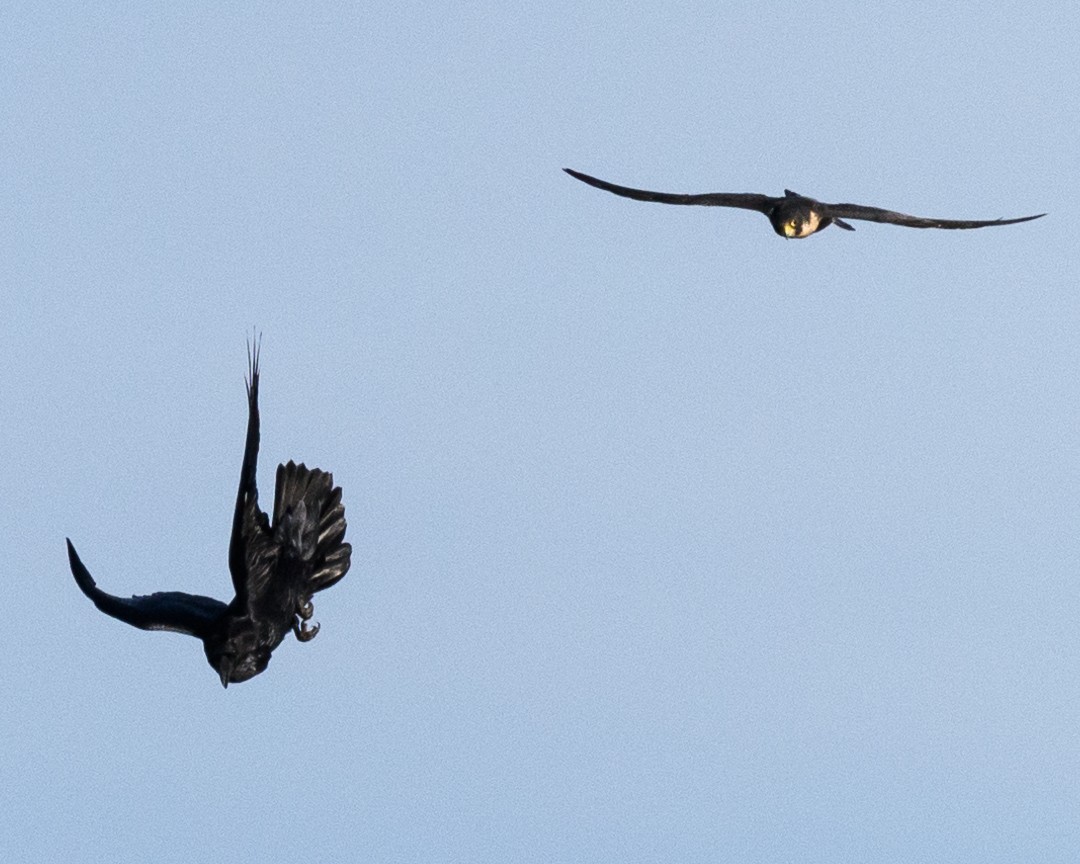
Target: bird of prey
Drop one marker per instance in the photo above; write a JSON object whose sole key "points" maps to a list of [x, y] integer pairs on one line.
{"points": [[795, 215], [276, 566]]}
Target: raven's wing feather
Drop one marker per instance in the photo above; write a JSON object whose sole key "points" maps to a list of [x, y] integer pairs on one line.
{"points": [[302, 551], [252, 552], [877, 214], [309, 524], [742, 200], [192, 614]]}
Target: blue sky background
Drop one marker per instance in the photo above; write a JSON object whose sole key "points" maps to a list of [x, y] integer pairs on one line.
{"points": [[673, 540]]}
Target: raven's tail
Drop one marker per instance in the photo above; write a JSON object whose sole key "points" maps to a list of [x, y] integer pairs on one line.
{"points": [[309, 522]]}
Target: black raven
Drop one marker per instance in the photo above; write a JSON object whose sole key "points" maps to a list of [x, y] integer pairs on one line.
{"points": [[276, 566]]}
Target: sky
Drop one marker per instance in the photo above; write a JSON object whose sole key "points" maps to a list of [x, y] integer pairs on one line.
{"points": [[673, 540]]}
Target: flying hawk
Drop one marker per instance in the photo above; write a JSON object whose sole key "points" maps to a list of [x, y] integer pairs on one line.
{"points": [[795, 215]]}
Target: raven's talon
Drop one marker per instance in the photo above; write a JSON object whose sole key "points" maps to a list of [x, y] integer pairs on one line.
{"points": [[303, 632], [305, 610]]}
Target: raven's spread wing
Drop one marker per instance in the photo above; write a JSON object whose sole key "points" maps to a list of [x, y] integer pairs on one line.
{"points": [[309, 522], [166, 610], [302, 552], [876, 214], [252, 551], [742, 200]]}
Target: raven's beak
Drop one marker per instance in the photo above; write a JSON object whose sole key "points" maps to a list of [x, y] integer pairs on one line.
{"points": [[224, 672]]}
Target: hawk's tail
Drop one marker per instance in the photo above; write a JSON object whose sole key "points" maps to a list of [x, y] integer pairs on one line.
{"points": [[309, 520]]}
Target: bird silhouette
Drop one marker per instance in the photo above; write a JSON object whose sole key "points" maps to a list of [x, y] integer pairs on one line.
{"points": [[794, 216], [276, 565]]}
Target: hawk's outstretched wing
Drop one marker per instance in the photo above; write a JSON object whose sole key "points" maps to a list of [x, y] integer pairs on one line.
{"points": [[891, 217], [742, 200]]}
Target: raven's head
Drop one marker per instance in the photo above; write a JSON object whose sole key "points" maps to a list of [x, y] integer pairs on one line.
{"points": [[236, 668], [237, 656]]}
